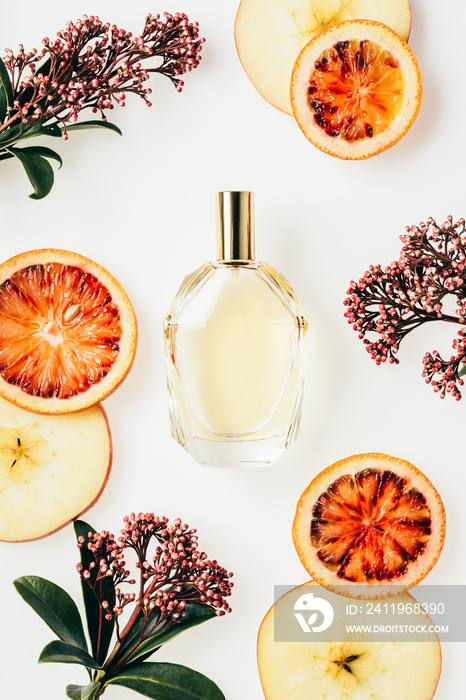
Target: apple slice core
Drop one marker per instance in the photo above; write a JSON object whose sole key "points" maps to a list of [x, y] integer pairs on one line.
{"points": [[52, 468]]}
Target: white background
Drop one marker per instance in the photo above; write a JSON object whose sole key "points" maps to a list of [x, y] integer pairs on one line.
{"points": [[143, 206]]}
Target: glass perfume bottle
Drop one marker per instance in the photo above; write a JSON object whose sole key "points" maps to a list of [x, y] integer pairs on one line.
{"points": [[235, 341]]}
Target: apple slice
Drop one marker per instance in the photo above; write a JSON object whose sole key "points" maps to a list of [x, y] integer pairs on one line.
{"points": [[354, 670], [52, 468], [270, 34]]}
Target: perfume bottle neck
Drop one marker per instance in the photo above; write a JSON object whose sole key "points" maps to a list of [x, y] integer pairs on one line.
{"points": [[235, 226]]}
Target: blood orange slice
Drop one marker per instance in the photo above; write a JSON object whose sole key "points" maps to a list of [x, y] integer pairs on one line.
{"points": [[67, 331], [356, 89], [369, 519]]}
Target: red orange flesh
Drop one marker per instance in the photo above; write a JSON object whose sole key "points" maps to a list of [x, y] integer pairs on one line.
{"points": [[356, 90]]}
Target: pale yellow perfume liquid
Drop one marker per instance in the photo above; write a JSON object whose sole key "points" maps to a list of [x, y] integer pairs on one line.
{"points": [[235, 363]]}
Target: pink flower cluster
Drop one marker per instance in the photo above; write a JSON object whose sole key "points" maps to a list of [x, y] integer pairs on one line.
{"points": [[92, 64], [177, 574], [392, 302], [108, 561]]}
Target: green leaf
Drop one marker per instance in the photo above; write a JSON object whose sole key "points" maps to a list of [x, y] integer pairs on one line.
{"points": [[39, 129], [105, 590], [83, 692], [38, 170], [17, 133], [50, 130], [3, 103], [45, 152], [55, 607], [6, 91], [94, 124], [11, 135], [91, 691], [195, 614], [164, 681], [462, 371], [59, 652]]}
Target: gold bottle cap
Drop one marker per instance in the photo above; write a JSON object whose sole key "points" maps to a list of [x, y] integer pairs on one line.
{"points": [[235, 226]]}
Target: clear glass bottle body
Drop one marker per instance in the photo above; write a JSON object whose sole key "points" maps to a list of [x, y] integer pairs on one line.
{"points": [[235, 342]]}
